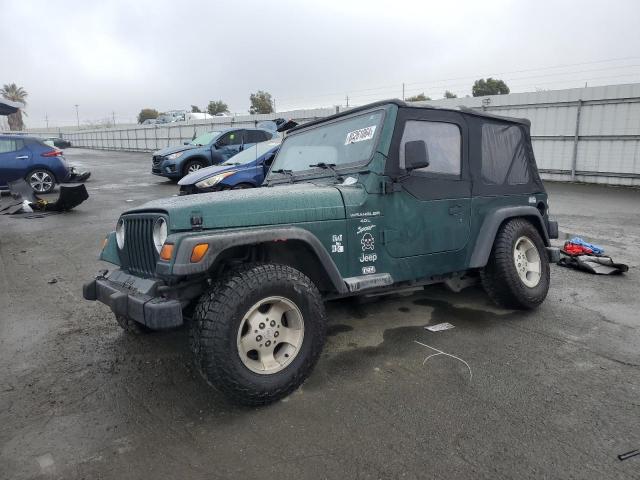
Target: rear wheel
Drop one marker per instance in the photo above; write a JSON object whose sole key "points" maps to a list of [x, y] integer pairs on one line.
{"points": [[517, 273], [41, 180], [258, 332], [192, 166]]}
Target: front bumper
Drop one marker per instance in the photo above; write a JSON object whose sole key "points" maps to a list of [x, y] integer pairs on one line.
{"points": [[165, 168], [135, 298], [552, 228]]}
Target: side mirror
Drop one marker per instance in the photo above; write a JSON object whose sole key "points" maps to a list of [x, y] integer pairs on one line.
{"points": [[416, 155], [268, 161]]}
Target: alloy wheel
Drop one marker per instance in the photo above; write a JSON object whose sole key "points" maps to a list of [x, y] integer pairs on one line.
{"points": [[270, 335], [41, 181], [527, 262]]}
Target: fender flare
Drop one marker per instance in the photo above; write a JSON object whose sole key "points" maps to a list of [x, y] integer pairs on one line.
{"points": [[489, 230], [220, 241]]}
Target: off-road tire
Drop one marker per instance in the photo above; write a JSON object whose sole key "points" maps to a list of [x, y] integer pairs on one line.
{"points": [[219, 315], [189, 164], [500, 278], [131, 326]]}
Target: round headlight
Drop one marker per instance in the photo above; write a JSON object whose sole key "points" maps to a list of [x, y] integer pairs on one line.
{"points": [[159, 233], [120, 233]]}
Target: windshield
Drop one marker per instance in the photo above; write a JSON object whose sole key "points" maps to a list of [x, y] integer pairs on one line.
{"points": [[344, 142], [249, 154], [205, 138]]}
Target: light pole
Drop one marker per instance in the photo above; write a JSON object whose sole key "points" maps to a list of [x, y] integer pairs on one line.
{"points": [[77, 116]]}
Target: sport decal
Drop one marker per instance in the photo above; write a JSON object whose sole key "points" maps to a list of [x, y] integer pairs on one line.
{"points": [[366, 228]]}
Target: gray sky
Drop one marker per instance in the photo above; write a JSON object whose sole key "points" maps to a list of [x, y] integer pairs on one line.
{"points": [[120, 56]]}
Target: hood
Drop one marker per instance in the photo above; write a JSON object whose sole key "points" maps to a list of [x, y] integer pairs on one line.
{"points": [[289, 203], [198, 175], [178, 148]]}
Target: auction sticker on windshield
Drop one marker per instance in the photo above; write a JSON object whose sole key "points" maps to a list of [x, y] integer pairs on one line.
{"points": [[360, 135]]}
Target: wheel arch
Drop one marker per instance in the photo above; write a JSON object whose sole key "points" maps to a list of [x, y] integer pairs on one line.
{"points": [[292, 246], [197, 157], [492, 223]]}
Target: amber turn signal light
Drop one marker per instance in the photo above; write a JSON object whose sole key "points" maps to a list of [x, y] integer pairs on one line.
{"points": [[166, 252], [199, 252], [104, 242]]}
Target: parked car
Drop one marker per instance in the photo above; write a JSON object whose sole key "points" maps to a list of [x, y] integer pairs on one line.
{"points": [[41, 165], [58, 142], [150, 121], [210, 148], [247, 169], [375, 199]]}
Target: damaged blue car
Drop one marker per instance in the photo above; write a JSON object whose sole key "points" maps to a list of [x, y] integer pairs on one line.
{"points": [[247, 169], [208, 149]]}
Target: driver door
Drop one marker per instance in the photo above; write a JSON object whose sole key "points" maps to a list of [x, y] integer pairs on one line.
{"points": [[229, 144], [429, 213]]}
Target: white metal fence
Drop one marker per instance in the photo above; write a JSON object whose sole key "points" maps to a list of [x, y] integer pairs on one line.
{"points": [[154, 137], [585, 134]]}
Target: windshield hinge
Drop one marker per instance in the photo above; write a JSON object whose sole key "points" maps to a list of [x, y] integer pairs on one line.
{"points": [[390, 187]]}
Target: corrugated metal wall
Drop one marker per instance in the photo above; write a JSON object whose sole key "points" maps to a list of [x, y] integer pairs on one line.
{"points": [[584, 134]]}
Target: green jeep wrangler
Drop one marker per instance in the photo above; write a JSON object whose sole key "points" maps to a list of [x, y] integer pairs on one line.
{"points": [[381, 197]]}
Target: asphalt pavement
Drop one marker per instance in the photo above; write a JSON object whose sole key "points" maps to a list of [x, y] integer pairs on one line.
{"points": [[552, 393]]}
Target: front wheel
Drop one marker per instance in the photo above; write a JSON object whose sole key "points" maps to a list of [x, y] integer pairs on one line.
{"points": [[517, 273], [258, 332], [192, 166]]}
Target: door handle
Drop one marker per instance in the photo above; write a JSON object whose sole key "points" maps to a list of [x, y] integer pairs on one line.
{"points": [[22, 157], [455, 210]]}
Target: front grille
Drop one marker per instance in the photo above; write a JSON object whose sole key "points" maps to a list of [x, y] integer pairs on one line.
{"points": [[139, 255], [156, 160]]}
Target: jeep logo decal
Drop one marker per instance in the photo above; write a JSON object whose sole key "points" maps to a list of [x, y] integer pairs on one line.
{"points": [[368, 257]]}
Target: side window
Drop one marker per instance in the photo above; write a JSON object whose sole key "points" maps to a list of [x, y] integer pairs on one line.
{"points": [[255, 136], [231, 138], [444, 144], [10, 145], [504, 155]]}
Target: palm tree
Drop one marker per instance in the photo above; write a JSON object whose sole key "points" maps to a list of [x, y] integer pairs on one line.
{"points": [[14, 93]]}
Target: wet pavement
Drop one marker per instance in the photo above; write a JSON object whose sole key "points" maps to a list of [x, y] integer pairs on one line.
{"points": [[553, 393]]}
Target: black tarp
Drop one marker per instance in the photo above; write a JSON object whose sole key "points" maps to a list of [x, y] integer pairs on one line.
{"points": [[7, 107]]}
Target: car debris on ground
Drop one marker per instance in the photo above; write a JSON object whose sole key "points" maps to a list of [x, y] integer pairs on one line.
{"points": [[24, 200], [585, 256]]}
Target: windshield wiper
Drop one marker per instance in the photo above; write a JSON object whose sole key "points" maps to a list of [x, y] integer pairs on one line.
{"points": [[328, 166], [285, 172]]}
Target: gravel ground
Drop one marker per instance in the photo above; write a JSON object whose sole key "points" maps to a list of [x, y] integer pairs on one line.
{"points": [[554, 393]]}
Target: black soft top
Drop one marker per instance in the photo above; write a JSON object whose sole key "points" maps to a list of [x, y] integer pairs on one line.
{"points": [[402, 104]]}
